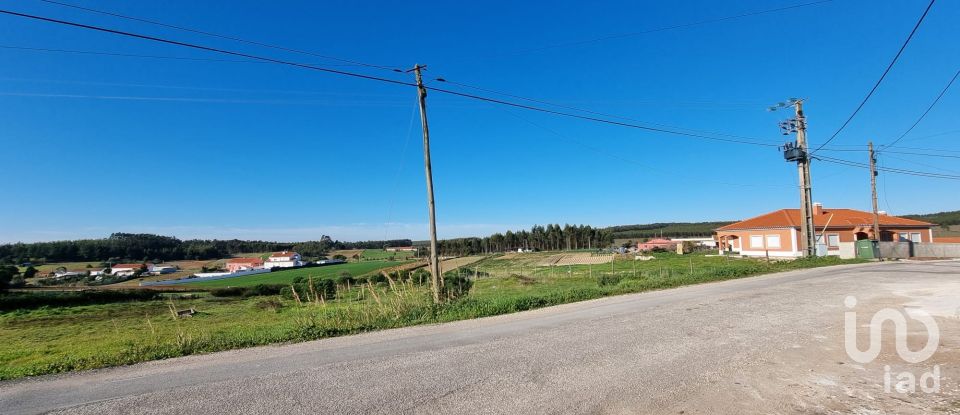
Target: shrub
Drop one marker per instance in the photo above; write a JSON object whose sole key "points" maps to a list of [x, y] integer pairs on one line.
{"points": [[29, 300], [345, 278], [254, 291], [262, 289], [227, 292], [609, 279], [271, 304], [455, 286]]}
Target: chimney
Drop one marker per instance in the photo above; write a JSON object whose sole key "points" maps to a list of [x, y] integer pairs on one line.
{"points": [[817, 209], [882, 212]]}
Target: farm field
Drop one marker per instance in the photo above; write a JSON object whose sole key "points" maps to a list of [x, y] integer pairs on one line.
{"points": [[448, 265], [346, 253], [285, 277], [116, 333], [381, 254]]}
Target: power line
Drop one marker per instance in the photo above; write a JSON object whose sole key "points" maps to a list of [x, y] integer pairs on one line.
{"points": [[600, 120], [665, 28], [377, 78], [539, 101], [233, 38], [884, 75], [669, 173], [125, 55], [922, 164], [206, 48], [887, 169], [932, 104], [908, 153], [745, 139]]}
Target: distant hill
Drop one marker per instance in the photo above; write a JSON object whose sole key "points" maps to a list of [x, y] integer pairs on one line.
{"points": [[673, 229], [944, 219]]}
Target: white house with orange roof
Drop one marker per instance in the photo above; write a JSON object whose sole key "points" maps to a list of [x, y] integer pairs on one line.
{"points": [[284, 259], [777, 234]]}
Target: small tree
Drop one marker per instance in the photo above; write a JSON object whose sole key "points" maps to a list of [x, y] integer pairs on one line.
{"points": [[7, 272], [30, 272]]}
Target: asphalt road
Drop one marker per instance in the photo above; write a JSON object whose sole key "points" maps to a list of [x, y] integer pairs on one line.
{"points": [[757, 345]]}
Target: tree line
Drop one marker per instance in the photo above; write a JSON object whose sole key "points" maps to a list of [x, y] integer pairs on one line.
{"points": [[674, 229], [148, 247], [539, 237]]}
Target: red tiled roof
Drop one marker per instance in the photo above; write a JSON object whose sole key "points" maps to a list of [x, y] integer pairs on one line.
{"points": [[245, 261], [841, 218], [283, 254]]}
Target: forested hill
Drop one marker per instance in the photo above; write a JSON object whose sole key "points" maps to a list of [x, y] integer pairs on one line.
{"points": [[668, 229], [940, 218], [147, 247]]}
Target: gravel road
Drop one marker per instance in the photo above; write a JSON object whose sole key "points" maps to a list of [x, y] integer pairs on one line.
{"points": [[768, 344]]}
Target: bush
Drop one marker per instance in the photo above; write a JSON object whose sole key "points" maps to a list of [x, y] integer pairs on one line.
{"points": [[262, 289], [321, 286], [608, 279], [271, 304], [455, 286], [227, 292], [254, 291], [29, 300], [345, 278], [376, 278]]}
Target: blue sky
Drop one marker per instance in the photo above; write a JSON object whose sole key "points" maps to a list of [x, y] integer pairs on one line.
{"points": [[99, 144]]}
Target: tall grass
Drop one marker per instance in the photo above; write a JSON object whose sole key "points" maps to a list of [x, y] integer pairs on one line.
{"points": [[54, 339]]}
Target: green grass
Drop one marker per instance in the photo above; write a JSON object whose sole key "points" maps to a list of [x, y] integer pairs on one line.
{"points": [[51, 267], [55, 339], [286, 277]]}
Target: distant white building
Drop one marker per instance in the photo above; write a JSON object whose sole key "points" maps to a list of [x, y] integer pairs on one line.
{"points": [[161, 269], [126, 270], [400, 249], [285, 259]]}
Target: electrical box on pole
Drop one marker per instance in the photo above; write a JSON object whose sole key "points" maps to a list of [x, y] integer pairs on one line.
{"points": [[798, 153]]}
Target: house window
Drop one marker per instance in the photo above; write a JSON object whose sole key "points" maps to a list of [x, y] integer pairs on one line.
{"points": [[773, 241], [756, 241], [915, 237], [833, 240]]}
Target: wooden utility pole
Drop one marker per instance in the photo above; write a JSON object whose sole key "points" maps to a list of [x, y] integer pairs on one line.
{"points": [[873, 189], [435, 279]]}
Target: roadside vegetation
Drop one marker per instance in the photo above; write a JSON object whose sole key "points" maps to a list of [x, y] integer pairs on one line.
{"points": [[287, 276], [40, 334]]}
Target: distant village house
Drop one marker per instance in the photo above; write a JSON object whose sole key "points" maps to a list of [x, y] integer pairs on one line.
{"points": [[657, 243], [243, 264], [777, 234], [285, 259], [400, 249]]}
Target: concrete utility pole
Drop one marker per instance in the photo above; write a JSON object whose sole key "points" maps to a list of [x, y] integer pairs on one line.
{"points": [[435, 279], [799, 152], [873, 189]]}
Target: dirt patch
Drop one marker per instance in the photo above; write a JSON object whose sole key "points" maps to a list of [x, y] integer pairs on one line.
{"points": [[820, 378], [452, 264]]}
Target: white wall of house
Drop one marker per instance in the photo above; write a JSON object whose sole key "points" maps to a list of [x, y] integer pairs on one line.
{"points": [[778, 254]]}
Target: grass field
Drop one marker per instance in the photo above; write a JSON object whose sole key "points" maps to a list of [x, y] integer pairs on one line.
{"points": [[55, 339], [285, 277], [72, 266]]}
